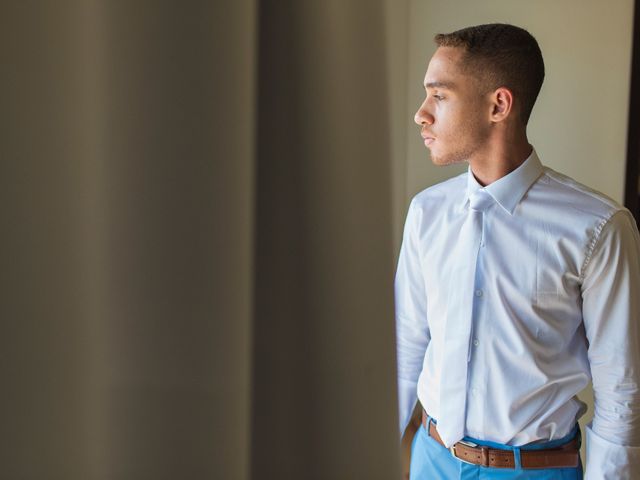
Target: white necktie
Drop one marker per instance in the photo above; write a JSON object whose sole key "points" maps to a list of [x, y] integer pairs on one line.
{"points": [[457, 337]]}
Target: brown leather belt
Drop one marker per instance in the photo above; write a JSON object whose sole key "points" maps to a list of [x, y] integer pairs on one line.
{"points": [[566, 455]]}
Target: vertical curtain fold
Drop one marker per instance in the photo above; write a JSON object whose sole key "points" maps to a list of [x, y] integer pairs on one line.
{"points": [[49, 414], [179, 141], [324, 388]]}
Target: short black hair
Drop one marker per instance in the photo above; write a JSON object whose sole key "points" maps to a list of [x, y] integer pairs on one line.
{"points": [[501, 55]]}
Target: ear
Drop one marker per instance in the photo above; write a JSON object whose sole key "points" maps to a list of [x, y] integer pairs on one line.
{"points": [[501, 104]]}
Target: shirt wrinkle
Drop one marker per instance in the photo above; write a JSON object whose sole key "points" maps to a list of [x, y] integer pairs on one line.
{"points": [[594, 241]]}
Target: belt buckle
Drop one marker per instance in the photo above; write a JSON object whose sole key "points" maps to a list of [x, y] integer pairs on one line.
{"points": [[452, 449]]}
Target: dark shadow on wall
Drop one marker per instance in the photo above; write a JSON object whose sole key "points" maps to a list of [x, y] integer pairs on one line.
{"points": [[632, 186]]}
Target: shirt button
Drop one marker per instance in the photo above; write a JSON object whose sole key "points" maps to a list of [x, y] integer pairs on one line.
{"points": [[476, 342], [479, 293]]}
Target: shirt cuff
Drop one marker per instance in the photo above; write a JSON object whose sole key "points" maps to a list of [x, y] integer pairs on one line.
{"points": [[407, 398], [609, 461]]}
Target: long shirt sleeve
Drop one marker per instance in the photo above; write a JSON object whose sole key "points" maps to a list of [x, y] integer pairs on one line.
{"points": [[412, 331], [611, 313]]}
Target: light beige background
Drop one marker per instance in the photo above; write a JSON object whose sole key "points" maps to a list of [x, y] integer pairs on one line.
{"points": [[579, 124]]}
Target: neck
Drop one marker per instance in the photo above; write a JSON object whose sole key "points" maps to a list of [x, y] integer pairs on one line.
{"points": [[500, 158]]}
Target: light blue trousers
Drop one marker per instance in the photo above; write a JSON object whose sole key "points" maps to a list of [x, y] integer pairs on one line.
{"points": [[432, 461]]}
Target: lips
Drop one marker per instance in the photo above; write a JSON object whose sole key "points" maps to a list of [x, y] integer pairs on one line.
{"points": [[426, 135], [428, 139]]}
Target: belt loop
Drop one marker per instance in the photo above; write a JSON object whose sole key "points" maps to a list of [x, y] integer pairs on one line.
{"points": [[428, 425], [579, 435], [516, 458]]}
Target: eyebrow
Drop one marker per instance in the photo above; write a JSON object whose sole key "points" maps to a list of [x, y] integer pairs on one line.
{"points": [[447, 85]]}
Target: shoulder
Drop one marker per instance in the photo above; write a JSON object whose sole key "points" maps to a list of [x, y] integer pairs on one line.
{"points": [[603, 220], [441, 194], [578, 198]]}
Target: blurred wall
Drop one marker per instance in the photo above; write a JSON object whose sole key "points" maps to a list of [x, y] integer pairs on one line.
{"points": [[579, 123], [196, 266]]}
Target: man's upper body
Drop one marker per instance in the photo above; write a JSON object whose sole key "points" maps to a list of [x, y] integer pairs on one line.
{"points": [[556, 296]]}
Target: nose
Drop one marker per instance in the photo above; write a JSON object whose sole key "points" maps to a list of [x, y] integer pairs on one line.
{"points": [[423, 116]]}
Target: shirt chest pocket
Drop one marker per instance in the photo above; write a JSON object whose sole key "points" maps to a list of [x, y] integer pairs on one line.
{"points": [[552, 272]]}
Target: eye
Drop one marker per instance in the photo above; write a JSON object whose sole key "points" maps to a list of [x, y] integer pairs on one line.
{"points": [[437, 97]]}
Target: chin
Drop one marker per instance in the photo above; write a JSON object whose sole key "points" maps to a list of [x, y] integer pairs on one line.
{"points": [[440, 161]]}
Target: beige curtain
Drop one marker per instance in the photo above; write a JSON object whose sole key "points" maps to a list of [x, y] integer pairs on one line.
{"points": [[197, 241]]}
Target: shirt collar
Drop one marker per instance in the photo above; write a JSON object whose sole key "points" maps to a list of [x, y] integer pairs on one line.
{"points": [[509, 190]]}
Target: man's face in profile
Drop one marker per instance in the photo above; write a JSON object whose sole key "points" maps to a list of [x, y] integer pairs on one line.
{"points": [[454, 117]]}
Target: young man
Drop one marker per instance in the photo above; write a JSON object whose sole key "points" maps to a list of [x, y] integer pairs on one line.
{"points": [[515, 286]]}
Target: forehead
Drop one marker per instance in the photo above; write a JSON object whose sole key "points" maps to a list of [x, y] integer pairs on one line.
{"points": [[444, 66]]}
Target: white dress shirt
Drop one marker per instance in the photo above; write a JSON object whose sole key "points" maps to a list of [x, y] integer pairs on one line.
{"points": [[556, 304]]}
